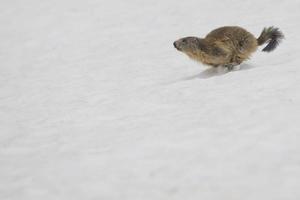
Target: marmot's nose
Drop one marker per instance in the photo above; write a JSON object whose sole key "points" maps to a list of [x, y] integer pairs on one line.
{"points": [[175, 45]]}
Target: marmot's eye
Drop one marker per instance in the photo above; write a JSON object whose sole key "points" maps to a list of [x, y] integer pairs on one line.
{"points": [[183, 40]]}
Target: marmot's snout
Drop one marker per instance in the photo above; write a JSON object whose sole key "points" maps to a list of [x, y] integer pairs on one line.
{"points": [[175, 45], [186, 44], [179, 44]]}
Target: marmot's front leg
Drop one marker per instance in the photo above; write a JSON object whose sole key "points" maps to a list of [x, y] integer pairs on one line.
{"points": [[230, 66], [235, 61]]}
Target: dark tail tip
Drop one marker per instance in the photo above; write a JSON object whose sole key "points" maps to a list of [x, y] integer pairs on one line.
{"points": [[273, 36]]}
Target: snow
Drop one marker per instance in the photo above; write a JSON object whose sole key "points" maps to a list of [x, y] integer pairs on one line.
{"points": [[95, 103]]}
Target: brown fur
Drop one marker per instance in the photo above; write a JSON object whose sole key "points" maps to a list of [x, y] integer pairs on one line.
{"points": [[226, 46]]}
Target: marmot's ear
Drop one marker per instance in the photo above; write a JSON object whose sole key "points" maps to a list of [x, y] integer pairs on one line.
{"points": [[202, 45]]}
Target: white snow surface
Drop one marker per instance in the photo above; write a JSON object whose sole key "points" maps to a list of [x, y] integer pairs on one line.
{"points": [[96, 104]]}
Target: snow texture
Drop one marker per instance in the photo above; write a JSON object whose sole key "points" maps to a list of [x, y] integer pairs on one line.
{"points": [[95, 103]]}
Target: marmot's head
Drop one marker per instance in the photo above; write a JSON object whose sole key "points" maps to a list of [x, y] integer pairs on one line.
{"points": [[188, 45]]}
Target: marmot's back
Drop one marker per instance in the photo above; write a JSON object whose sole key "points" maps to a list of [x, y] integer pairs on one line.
{"points": [[235, 40], [228, 32]]}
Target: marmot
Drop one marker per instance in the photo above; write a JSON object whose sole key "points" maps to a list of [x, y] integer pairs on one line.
{"points": [[228, 46]]}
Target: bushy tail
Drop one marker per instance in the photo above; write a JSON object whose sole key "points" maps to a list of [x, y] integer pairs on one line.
{"points": [[272, 36]]}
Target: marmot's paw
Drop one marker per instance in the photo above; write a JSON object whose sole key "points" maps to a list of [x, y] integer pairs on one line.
{"points": [[232, 67]]}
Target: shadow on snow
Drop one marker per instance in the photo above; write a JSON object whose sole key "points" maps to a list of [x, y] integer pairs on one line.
{"points": [[212, 72]]}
